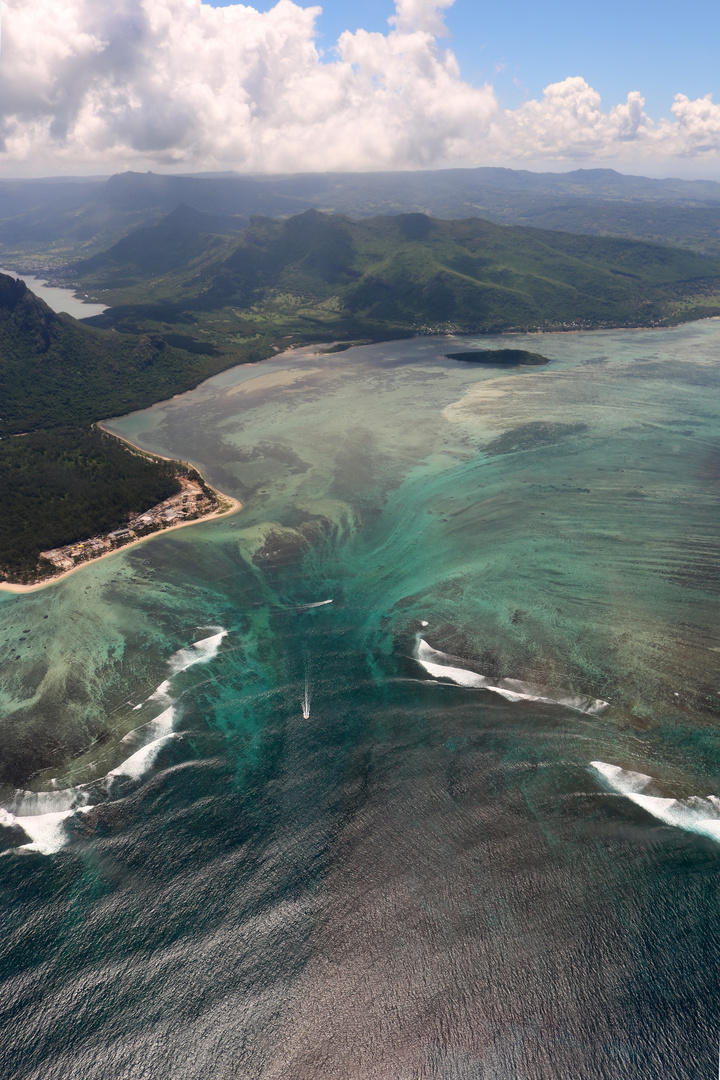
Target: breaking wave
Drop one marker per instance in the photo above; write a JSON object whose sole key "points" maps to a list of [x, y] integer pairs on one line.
{"points": [[141, 761], [697, 814], [441, 666], [46, 832], [200, 652], [42, 815]]}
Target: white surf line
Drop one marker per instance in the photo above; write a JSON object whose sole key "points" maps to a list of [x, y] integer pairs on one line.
{"points": [[139, 763], [153, 729], [301, 607], [158, 732], [696, 814], [436, 664], [206, 649], [41, 815], [46, 831]]}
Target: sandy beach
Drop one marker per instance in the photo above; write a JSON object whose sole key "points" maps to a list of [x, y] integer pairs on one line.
{"points": [[231, 506], [228, 506]]}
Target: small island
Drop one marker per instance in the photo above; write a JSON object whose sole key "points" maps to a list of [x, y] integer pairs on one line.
{"points": [[500, 357]]}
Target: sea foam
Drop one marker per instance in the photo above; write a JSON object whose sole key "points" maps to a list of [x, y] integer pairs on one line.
{"points": [[42, 815], [135, 767], [441, 666], [200, 652], [154, 729], [46, 831], [696, 814]]}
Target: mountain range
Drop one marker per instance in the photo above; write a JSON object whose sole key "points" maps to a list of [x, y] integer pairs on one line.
{"points": [[48, 223], [321, 276], [198, 291]]}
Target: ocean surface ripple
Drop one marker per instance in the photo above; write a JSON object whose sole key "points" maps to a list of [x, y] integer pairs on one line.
{"points": [[411, 768]]}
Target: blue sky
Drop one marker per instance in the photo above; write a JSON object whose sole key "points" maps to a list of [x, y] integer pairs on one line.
{"points": [[98, 85], [616, 46]]}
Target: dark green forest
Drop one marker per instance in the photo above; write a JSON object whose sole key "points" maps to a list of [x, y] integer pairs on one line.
{"points": [[55, 371], [500, 357], [71, 483], [316, 277]]}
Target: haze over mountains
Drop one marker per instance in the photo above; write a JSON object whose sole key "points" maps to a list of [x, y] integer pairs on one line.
{"points": [[203, 287], [51, 222], [317, 276]]}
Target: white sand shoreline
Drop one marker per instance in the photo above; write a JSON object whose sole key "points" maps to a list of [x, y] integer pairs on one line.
{"points": [[228, 506], [235, 505]]}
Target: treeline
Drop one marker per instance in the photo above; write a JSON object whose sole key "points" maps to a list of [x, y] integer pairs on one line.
{"points": [[68, 484], [55, 371]]}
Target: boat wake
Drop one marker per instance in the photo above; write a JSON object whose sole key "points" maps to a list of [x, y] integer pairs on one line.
{"points": [[302, 607], [306, 698]]}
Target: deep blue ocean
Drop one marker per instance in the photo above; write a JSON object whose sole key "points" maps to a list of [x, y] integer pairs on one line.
{"points": [[410, 768]]}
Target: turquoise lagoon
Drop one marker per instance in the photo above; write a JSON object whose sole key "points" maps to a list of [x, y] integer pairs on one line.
{"points": [[408, 769]]}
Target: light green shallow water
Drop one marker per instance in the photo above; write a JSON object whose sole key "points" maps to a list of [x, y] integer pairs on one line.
{"points": [[564, 519], [557, 526]]}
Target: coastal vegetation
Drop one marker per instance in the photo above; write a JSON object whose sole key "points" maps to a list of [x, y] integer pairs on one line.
{"points": [[193, 295], [63, 485], [55, 371], [324, 277]]}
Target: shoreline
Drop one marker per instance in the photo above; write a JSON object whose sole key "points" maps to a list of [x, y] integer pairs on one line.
{"points": [[233, 505], [228, 506]]}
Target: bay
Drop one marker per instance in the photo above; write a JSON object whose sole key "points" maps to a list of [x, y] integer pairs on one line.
{"points": [[58, 298], [409, 768]]}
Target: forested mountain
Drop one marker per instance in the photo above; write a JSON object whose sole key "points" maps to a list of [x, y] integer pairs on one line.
{"points": [[60, 479], [192, 295], [53, 222], [191, 298], [55, 371], [317, 276]]}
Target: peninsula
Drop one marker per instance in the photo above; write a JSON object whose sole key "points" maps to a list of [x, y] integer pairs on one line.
{"points": [[193, 501], [189, 297]]}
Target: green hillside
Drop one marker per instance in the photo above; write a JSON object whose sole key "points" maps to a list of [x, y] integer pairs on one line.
{"points": [[51, 223], [319, 276], [60, 480], [191, 297], [55, 371]]}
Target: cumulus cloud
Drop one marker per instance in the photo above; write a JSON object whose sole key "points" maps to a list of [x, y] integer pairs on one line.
{"points": [[698, 128], [139, 83], [421, 15], [569, 123]]}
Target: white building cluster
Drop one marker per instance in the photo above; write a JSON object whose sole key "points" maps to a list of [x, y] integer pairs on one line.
{"points": [[191, 502]]}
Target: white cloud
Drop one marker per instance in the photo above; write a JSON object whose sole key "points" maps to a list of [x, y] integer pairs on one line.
{"points": [[697, 130], [568, 123], [137, 83], [420, 15]]}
